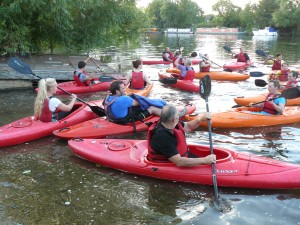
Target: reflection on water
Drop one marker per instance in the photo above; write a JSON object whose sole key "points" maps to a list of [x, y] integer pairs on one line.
{"points": [[42, 182]]}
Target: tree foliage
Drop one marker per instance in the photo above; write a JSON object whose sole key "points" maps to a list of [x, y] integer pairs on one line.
{"points": [[39, 25]]}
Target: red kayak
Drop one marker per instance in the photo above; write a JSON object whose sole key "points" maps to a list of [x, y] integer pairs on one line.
{"points": [[235, 66], [160, 61], [28, 129], [100, 127], [172, 81], [233, 169], [72, 87]]}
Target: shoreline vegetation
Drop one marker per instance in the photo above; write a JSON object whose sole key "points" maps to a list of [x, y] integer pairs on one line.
{"points": [[81, 27]]}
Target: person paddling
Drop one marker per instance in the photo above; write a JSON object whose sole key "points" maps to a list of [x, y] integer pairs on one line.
{"points": [[48, 108], [241, 57], [272, 106], [167, 55], [137, 79], [292, 80], [186, 71], [81, 77]]}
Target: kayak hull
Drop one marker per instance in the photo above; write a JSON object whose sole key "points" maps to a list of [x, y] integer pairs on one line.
{"points": [[100, 127], [246, 101], [235, 66], [144, 92], [183, 85], [233, 169], [216, 75], [242, 117], [28, 129]]}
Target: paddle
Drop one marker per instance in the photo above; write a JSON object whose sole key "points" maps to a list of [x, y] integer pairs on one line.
{"points": [[24, 68], [205, 88], [227, 49], [202, 56], [261, 53], [256, 74], [289, 93]]}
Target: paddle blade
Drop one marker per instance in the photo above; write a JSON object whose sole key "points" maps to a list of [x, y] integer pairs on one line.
{"points": [[290, 93], [97, 110], [261, 53], [260, 83], [256, 74], [19, 65], [227, 49], [205, 86], [105, 78], [168, 80]]}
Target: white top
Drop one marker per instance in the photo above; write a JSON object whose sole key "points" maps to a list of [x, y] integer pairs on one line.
{"points": [[53, 103]]}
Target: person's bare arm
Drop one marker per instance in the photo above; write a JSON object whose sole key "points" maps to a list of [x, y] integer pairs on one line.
{"points": [[189, 162]]}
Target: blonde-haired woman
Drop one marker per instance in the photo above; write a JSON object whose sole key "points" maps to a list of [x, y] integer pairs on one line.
{"points": [[48, 108]]}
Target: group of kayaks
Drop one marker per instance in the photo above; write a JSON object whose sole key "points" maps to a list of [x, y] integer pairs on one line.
{"points": [[82, 126]]}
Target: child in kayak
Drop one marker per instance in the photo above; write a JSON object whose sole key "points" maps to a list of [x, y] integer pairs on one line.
{"points": [[48, 108]]}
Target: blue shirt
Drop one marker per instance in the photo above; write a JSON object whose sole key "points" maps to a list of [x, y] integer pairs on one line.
{"points": [[120, 107], [183, 70]]}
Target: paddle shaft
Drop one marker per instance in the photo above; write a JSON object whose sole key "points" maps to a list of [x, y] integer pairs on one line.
{"points": [[210, 60], [214, 177]]}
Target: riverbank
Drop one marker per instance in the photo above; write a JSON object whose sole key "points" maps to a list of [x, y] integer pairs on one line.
{"points": [[60, 67]]}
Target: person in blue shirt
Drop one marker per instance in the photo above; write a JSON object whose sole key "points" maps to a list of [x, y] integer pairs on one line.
{"points": [[272, 106]]}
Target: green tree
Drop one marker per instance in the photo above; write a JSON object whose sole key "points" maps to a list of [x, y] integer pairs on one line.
{"points": [[288, 15], [263, 13], [228, 13], [246, 18]]}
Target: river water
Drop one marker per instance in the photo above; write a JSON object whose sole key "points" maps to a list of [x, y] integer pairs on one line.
{"points": [[43, 182]]}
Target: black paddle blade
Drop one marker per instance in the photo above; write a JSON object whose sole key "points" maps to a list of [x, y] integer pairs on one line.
{"points": [[227, 49], [256, 74], [168, 80], [222, 205], [19, 65], [260, 83], [261, 53], [290, 93], [205, 86], [97, 110]]}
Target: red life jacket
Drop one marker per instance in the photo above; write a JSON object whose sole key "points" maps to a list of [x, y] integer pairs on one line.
{"points": [[289, 84], [181, 143], [205, 69], [284, 75], [137, 80], [276, 65], [76, 76], [268, 106], [47, 115], [190, 75], [241, 57]]}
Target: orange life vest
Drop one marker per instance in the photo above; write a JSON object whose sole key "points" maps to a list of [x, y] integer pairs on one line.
{"points": [[181, 143]]}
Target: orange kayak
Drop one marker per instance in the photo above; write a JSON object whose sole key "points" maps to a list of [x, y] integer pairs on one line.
{"points": [[143, 92], [100, 127], [244, 117], [216, 75], [246, 101]]}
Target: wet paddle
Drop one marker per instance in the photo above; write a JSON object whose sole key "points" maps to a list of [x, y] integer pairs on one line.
{"points": [[227, 49], [261, 53], [205, 88], [24, 68], [202, 56], [256, 74]]}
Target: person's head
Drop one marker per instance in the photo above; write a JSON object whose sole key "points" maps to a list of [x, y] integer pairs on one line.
{"points": [[81, 64], [293, 75], [188, 62], [46, 86], [241, 50], [194, 54], [177, 53], [169, 115], [206, 56], [273, 86], [167, 49], [117, 87], [284, 66], [137, 63], [278, 56]]}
